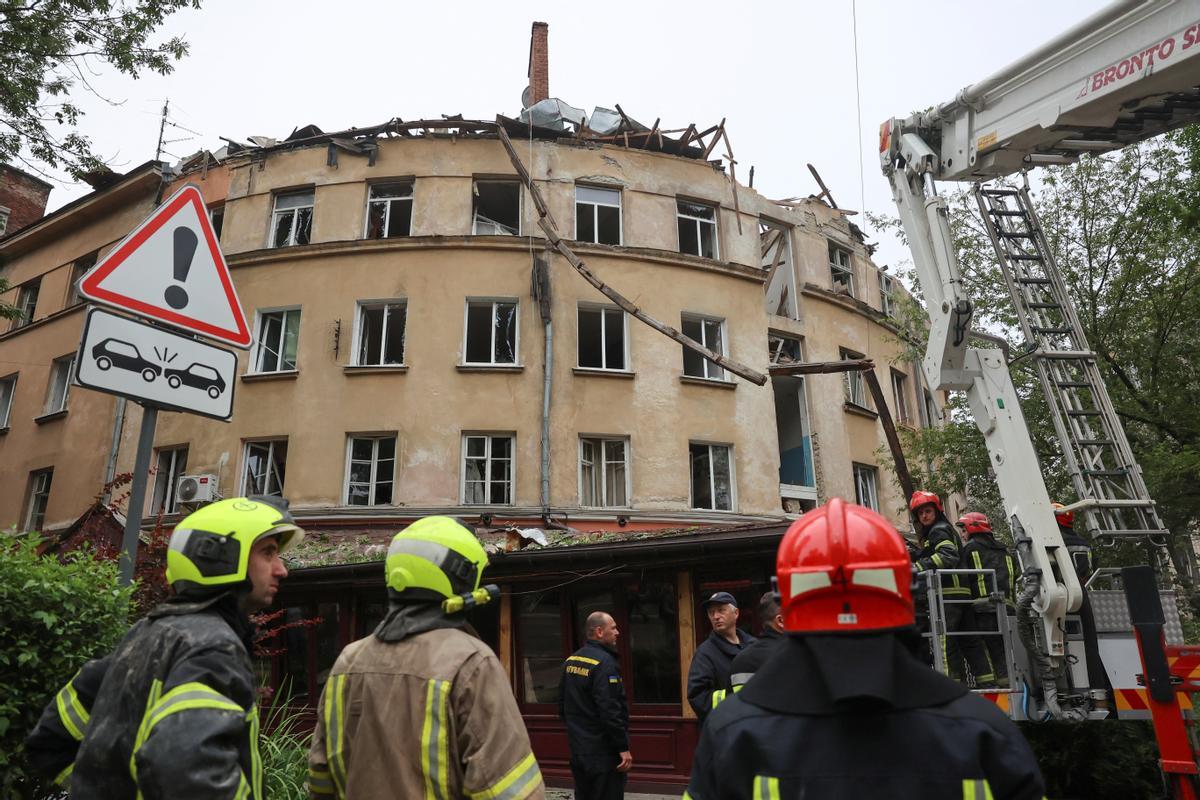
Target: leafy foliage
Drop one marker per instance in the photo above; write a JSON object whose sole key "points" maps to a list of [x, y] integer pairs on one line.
{"points": [[1100, 761], [49, 46], [57, 615]]}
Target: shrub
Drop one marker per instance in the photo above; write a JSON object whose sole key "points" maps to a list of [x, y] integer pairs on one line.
{"points": [[56, 615]]}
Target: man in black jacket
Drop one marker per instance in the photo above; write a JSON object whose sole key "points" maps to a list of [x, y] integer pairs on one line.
{"points": [[592, 703], [750, 660], [708, 677], [985, 652], [843, 710]]}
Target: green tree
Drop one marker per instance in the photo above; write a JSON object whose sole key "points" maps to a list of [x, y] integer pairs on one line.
{"points": [[48, 47]]}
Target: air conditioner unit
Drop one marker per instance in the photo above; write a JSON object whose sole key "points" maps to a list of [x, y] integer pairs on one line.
{"points": [[194, 489]]}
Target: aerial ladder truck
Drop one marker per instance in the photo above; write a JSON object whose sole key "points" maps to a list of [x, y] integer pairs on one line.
{"points": [[1127, 73]]}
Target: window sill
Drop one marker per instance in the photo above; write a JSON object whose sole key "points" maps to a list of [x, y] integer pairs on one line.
{"points": [[4, 430], [604, 373], [862, 411], [51, 417], [490, 367], [713, 382], [282, 375], [373, 369]]}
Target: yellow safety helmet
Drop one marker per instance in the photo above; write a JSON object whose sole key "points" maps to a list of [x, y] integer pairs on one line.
{"points": [[435, 558], [210, 548]]}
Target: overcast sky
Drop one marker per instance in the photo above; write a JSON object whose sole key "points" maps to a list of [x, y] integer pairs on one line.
{"points": [[782, 73]]}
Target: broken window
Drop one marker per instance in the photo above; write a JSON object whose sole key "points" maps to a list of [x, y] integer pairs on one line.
{"points": [[8, 388], [487, 469], [840, 270], [887, 300], [712, 480], [217, 217], [601, 338], [59, 388], [4, 212], [708, 331], [866, 482], [172, 461], [278, 340], [491, 332], [266, 462], [389, 210], [775, 256], [697, 228], [900, 397], [855, 383], [39, 498], [784, 349], [931, 413], [497, 208], [381, 334], [292, 221], [27, 297], [597, 215], [78, 270], [603, 473], [371, 470]]}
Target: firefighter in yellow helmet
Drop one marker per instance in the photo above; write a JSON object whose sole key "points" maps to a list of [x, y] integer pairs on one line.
{"points": [[175, 708], [422, 707]]}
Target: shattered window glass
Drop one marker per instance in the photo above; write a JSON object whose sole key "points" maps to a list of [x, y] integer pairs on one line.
{"points": [[389, 211], [710, 333], [784, 349], [597, 215], [497, 208], [697, 229], [602, 338], [381, 334], [278, 341], [292, 223], [840, 269], [491, 332], [265, 465], [487, 470], [372, 469], [712, 480]]}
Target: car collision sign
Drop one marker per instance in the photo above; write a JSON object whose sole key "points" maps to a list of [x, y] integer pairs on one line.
{"points": [[122, 356]]}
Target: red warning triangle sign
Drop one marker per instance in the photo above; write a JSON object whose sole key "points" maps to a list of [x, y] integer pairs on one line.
{"points": [[170, 268]]}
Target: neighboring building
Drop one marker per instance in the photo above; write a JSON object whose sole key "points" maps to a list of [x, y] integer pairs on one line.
{"points": [[398, 371], [22, 199]]}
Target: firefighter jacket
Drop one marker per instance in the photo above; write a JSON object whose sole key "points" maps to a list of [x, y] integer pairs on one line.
{"points": [[708, 677], [1082, 555], [420, 709], [844, 717], [941, 549], [982, 551], [52, 746], [176, 715], [750, 660], [592, 703]]}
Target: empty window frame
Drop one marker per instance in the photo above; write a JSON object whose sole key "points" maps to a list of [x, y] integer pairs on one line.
{"points": [[602, 338], [487, 469], [887, 298], [497, 208], [59, 387], [900, 397], [785, 349], [8, 388], [854, 383], [4, 212], [370, 470], [697, 224], [603, 472], [278, 340], [78, 270], [712, 476], [216, 216], [775, 256], [389, 210], [291, 222], [491, 335], [27, 297], [710, 332], [172, 461], [265, 467], [597, 215], [866, 482], [841, 270], [39, 498], [381, 333]]}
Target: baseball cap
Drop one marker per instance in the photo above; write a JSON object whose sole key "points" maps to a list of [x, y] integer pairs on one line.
{"points": [[719, 598]]}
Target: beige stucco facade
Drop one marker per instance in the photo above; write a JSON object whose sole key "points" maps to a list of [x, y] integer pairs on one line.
{"points": [[434, 398]]}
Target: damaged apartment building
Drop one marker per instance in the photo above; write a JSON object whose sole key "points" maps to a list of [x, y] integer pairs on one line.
{"points": [[561, 321]]}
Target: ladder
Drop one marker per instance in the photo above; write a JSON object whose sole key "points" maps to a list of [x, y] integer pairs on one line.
{"points": [[1107, 479]]}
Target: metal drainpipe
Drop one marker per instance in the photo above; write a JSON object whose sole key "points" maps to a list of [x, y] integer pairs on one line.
{"points": [[110, 471], [547, 383]]}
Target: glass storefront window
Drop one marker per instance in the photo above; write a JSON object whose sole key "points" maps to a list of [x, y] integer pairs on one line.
{"points": [[653, 639], [294, 684], [541, 646], [329, 643]]}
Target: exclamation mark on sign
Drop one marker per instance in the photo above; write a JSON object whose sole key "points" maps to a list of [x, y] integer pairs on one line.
{"points": [[185, 248]]}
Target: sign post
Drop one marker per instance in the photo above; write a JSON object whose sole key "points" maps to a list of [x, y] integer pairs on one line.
{"points": [[169, 270]]}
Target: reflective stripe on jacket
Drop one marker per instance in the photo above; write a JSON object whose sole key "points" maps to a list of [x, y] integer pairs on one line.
{"points": [[710, 670], [593, 705], [430, 716], [52, 746], [942, 549], [982, 551]]}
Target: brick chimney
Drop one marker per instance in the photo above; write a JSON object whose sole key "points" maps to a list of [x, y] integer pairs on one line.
{"points": [[22, 199], [539, 63]]}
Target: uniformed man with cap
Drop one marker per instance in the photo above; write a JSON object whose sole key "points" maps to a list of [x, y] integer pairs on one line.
{"points": [[709, 676]]}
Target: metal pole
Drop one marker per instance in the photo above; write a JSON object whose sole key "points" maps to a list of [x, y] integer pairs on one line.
{"points": [[137, 494]]}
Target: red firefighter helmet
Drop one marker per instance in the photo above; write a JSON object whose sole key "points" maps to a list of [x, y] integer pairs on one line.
{"points": [[843, 568], [1064, 518], [923, 499], [975, 522]]}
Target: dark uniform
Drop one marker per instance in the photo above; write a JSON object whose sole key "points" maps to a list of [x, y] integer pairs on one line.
{"points": [[845, 717], [985, 654], [708, 676], [750, 660], [1080, 550], [54, 743], [942, 549], [592, 703], [176, 715], [1086, 562]]}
